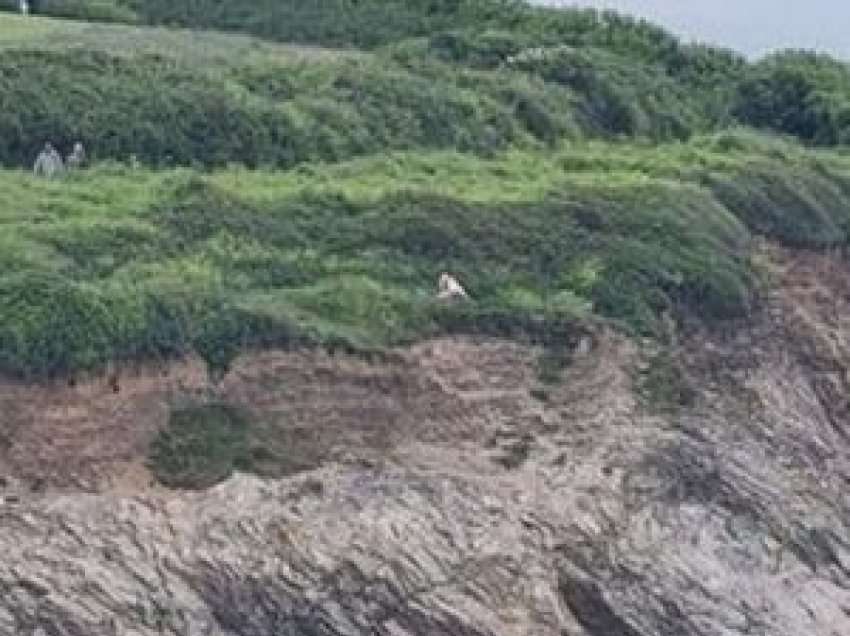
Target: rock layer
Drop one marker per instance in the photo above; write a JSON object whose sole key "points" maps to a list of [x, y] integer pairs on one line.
{"points": [[448, 491]]}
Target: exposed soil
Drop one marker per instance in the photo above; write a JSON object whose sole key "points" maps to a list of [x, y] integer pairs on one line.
{"points": [[448, 490], [327, 408]]}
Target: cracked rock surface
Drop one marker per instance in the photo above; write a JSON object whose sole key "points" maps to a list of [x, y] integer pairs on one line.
{"points": [[450, 492]]}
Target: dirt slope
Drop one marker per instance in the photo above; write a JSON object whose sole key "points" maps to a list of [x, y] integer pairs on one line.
{"points": [[448, 492]]}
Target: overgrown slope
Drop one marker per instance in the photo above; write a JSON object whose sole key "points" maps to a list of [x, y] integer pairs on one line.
{"points": [[370, 23], [616, 63], [564, 164], [637, 424], [119, 263], [172, 98]]}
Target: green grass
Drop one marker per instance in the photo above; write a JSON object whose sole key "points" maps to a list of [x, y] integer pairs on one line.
{"points": [[114, 263], [563, 165], [471, 75], [198, 48], [178, 97], [17, 30]]}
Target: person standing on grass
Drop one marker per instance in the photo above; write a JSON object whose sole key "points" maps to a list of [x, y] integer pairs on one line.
{"points": [[24, 6], [77, 158], [48, 163]]}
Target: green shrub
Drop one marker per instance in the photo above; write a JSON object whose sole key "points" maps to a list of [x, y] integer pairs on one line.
{"points": [[53, 326], [92, 10], [798, 93], [663, 385], [110, 103], [200, 447], [204, 443], [535, 76], [166, 113], [616, 95], [366, 23], [670, 94], [371, 23], [629, 68], [798, 206]]}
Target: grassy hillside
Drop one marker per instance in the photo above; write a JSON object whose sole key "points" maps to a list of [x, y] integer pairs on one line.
{"points": [[116, 263], [633, 64], [565, 165], [184, 98], [213, 100], [193, 48], [363, 23]]}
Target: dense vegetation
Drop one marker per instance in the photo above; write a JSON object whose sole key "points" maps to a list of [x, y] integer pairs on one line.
{"points": [[120, 263], [798, 93], [205, 442], [279, 116], [372, 23], [107, 10], [472, 75], [364, 23], [564, 164], [201, 446], [281, 106]]}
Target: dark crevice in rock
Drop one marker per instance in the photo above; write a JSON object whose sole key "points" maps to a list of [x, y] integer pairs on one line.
{"points": [[350, 604], [586, 601]]}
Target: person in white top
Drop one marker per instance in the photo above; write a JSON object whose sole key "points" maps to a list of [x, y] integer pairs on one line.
{"points": [[49, 162], [77, 158], [448, 288]]}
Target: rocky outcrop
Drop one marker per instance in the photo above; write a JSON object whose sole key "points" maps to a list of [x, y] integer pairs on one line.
{"points": [[449, 491]]}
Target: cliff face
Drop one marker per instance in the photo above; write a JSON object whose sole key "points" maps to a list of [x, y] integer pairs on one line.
{"points": [[446, 490]]}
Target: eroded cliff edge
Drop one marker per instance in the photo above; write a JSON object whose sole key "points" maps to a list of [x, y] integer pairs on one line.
{"points": [[447, 490]]}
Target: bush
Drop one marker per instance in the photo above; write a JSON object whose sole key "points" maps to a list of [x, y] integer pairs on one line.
{"points": [[52, 326], [618, 96], [366, 23], [798, 207], [203, 444], [166, 113], [663, 385], [200, 447], [798, 93], [92, 10], [373, 23], [122, 107], [667, 94], [514, 84]]}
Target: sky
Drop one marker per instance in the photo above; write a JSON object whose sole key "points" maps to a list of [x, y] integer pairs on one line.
{"points": [[753, 27]]}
